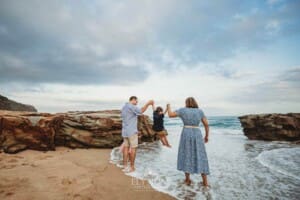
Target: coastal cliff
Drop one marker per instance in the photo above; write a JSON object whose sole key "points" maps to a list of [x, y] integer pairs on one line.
{"points": [[284, 127], [44, 131], [7, 104]]}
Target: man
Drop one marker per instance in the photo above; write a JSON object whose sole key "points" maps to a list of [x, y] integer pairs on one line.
{"points": [[129, 114]]}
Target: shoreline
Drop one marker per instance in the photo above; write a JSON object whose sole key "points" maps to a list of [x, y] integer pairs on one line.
{"points": [[66, 173]]}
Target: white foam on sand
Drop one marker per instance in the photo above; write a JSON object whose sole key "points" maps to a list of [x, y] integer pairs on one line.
{"points": [[236, 171], [283, 160], [162, 176]]}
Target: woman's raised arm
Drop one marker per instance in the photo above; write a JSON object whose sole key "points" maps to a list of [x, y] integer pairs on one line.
{"points": [[171, 114]]}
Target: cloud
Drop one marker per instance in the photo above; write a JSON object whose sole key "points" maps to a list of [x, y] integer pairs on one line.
{"points": [[292, 76], [70, 55], [211, 32], [78, 43], [71, 43], [272, 2], [282, 88]]}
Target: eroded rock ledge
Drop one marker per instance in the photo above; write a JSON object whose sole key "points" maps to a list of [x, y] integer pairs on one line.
{"points": [[44, 131], [272, 126]]}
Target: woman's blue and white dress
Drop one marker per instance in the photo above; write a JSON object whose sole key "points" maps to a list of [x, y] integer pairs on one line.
{"points": [[192, 157]]}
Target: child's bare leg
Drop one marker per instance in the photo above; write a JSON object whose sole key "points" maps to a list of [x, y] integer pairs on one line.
{"points": [[167, 142], [162, 140]]}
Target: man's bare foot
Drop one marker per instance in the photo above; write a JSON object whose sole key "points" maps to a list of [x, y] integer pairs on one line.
{"points": [[132, 169], [126, 169], [121, 166]]}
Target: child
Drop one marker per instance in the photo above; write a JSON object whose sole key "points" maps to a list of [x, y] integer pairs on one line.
{"points": [[158, 125]]}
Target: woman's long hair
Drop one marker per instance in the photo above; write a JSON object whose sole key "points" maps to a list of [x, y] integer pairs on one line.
{"points": [[190, 102]]}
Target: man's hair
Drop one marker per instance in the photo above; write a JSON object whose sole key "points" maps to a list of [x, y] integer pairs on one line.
{"points": [[132, 97]]}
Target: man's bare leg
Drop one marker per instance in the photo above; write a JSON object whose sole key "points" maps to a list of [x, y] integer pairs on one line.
{"points": [[125, 156], [132, 159]]}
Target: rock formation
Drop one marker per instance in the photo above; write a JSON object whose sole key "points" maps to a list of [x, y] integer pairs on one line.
{"points": [[7, 104], [44, 131], [272, 126]]}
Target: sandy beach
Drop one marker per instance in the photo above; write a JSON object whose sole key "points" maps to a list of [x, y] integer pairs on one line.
{"points": [[81, 174]]}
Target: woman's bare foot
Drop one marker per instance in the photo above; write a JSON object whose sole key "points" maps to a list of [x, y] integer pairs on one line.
{"points": [[188, 182], [204, 185]]}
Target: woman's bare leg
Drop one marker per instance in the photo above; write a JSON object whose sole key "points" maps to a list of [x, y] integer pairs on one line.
{"points": [[204, 178], [187, 179]]}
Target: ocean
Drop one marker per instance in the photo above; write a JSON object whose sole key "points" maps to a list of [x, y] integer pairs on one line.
{"points": [[239, 168]]}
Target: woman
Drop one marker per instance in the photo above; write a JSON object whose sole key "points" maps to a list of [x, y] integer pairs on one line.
{"points": [[192, 156]]}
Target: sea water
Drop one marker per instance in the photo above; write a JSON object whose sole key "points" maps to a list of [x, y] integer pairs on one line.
{"points": [[239, 168]]}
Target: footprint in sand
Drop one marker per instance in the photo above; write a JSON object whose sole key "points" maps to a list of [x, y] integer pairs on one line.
{"points": [[67, 181], [33, 165], [52, 177], [79, 197], [44, 157], [19, 157], [9, 193], [7, 166], [24, 164], [12, 160]]}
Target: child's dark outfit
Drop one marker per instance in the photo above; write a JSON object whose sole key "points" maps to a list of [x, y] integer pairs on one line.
{"points": [[158, 124]]}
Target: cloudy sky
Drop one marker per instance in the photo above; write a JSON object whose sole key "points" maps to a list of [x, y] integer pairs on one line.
{"points": [[236, 57]]}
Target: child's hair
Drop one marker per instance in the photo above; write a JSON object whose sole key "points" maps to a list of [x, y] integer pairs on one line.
{"points": [[159, 109]]}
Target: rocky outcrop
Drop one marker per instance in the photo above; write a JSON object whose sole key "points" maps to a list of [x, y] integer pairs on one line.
{"points": [[98, 129], [44, 131], [25, 130], [272, 126], [7, 104]]}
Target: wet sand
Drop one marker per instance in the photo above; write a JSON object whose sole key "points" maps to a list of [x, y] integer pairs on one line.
{"points": [[79, 174]]}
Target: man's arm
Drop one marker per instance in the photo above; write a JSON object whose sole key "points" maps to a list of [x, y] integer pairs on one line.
{"points": [[153, 107], [144, 108]]}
